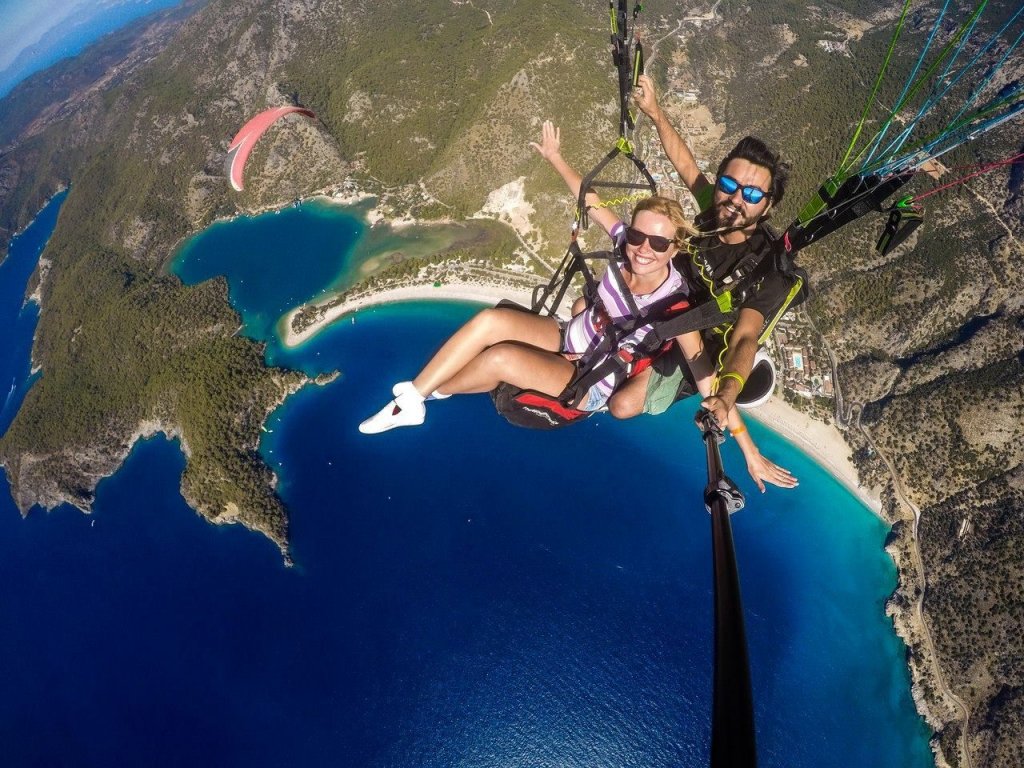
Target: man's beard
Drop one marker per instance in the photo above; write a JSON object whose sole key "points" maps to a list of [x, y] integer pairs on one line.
{"points": [[728, 218]]}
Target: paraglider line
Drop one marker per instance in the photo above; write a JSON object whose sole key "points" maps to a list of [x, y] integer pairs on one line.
{"points": [[984, 169]]}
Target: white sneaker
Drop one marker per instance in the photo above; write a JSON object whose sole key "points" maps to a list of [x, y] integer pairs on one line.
{"points": [[406, 410]]}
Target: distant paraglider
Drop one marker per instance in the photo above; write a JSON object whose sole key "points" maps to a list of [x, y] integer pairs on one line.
{"points": [[245, 140]]}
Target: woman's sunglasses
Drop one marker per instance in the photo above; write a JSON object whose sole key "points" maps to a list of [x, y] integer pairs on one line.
{"points": [[752, 195], [660, 244]]}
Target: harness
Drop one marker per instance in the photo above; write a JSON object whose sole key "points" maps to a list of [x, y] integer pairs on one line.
{"points": [[611, 356], [767, 253], [667, 319]]}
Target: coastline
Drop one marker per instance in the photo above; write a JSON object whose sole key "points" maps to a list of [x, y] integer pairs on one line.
{"points": [[454, 291], [822, 442]]}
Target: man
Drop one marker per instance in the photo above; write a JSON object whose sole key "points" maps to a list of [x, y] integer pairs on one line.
{"points": [[738, 251]]}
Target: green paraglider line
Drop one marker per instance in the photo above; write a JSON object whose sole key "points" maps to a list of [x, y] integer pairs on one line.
{"points": [[847, 195], [957, 43], [952, 136], [904, 97], [897, 144], [995, 68], [843, 167]]}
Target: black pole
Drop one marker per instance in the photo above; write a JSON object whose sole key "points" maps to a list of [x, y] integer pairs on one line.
{"points": [[732, 718]]}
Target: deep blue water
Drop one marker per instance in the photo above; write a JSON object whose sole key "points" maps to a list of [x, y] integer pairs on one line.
{"points": [[464, 593], [17, 317]]}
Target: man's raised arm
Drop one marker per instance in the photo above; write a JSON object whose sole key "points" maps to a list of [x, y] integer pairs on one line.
{"points": [[678, 153]]}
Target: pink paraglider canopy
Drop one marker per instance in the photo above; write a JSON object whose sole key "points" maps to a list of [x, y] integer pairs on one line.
{"points": [[245, 139]]}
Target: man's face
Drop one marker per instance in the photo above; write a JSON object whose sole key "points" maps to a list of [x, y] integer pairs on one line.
{"points": [[731, 210]]}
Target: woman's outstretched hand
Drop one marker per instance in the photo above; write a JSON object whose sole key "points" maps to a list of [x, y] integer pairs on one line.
{"points": [[765, 471], [550, 142]]}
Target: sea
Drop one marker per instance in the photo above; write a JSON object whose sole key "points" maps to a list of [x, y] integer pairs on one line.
{"points": [[465, 593]]}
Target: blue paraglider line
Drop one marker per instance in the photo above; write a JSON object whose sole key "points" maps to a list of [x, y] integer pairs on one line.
{"points": [[950, 81], [906, 85], [947, 141]]}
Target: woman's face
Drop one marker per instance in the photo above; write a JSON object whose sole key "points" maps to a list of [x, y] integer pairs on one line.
{"points": [[644, 258]]}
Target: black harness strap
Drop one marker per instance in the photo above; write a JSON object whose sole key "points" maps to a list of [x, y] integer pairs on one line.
{"points": [[901, 224], [855, 197], [665, 323], [547, 298]]}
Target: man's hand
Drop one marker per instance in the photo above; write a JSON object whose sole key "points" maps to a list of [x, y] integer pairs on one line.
{"points": [[645, 96], [719, 409]]}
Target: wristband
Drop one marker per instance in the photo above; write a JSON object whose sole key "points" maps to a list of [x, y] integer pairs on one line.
{"points": [[739, 431], [732, 375]]}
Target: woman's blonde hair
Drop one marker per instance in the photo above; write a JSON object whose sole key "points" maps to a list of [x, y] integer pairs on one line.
{"points": [[673, 211]]}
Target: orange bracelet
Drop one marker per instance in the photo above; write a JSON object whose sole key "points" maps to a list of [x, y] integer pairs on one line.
{"points": [[739, 431]]}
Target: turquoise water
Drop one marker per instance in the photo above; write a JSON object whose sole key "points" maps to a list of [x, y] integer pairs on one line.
{"points": [[273, 262], [465, 593]]}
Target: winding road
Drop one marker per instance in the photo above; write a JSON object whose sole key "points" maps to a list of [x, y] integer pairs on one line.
{"points": [[850, 416]]}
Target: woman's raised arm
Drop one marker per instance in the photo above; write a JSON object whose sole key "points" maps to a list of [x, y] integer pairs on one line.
{"points": [[550, 148]]}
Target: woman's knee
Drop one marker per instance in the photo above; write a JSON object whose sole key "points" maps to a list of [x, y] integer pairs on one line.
{"points": [[626, 404], [498, 358], [492, 324]]}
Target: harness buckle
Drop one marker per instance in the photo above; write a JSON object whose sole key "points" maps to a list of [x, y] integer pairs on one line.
{"points": [[627, 356]]}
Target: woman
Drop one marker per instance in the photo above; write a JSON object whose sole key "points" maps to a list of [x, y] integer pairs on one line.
{"points": [[536, 352]]}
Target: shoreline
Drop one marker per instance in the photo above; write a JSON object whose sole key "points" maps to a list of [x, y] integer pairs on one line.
{"points": [[822, 443], [453, 291]]}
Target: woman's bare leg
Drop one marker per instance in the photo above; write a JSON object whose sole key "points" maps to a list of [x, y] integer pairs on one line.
{"points": [[517, 364], [496, 345], [628, 400], [487, 328]]}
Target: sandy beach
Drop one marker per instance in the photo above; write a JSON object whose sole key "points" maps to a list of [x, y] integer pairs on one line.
{"points": [[474, 292], [822, 442]]}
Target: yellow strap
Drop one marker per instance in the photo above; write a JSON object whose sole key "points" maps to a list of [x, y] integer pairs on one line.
{"points": [[730, 375], [793, 292]]}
